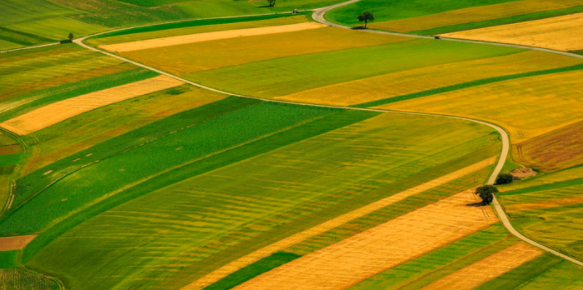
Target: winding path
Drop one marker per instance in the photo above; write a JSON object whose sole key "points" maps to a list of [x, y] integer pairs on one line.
{"points": [[319, 17]]}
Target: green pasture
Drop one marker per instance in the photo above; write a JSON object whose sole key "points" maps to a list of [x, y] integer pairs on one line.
{"points": [[283, 76], [91, 128], [385, 10], [31, 71], [21, 279], [247, 273], [186, 228], [121, 162]]}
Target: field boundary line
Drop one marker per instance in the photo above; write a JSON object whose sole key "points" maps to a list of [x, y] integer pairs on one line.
{"points": [[248, 259], [29, 47]]}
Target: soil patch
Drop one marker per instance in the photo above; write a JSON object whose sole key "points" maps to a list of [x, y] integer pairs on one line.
{"points": [[524, 172], [15, 243]]}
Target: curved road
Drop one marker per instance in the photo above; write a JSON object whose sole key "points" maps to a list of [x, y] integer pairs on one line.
{"points": [[319, 17]]}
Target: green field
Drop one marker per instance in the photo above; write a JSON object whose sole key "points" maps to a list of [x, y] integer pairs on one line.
{"points": [[238, 207], [327, 68]]}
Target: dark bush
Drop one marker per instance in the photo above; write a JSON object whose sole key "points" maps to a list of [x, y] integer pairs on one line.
{"points": [[504, 178], [486, 193]]}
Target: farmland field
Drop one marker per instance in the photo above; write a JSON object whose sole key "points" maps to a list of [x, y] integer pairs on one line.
{"points": [[308, 199], [270, 151]]}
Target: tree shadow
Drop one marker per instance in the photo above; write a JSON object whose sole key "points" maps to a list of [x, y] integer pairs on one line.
{"points": [[358, 28], [477, 204]]}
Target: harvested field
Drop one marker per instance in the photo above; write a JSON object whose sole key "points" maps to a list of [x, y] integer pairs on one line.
{"points": [[57, 112], [474, 14], [361, 256], [15, 243], [488, 268], [556, 150], [427, 78], [550, 102], [560, 33], [208, 36], [338, 221]]}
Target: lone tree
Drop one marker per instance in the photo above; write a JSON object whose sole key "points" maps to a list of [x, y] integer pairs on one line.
{"points": [[486, 193], [71, 36], [366, 17], [271, 3], [504, 178]]}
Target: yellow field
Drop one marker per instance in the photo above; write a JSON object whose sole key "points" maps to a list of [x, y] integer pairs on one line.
{"points": [[15, 243], [333, 223], [486, 269], [418, 80], [209, 36], [560, 33], [526, 107], [190, 58], [59, 111], [474, 14], [363, 255], [544, 204], [197, 29]]}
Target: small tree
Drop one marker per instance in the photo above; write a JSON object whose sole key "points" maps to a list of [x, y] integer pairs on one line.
{"points": [[71, 36], [486, 193], [504, 178], [271, 3], [366, 17]]}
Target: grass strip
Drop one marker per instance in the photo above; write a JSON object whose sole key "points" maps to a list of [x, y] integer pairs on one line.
{"points": [[320, 126], [245, 274], [8, 259], [466, 85], [524, 273], [544, 187], [460, 264], [193, 23], [501, 21]]}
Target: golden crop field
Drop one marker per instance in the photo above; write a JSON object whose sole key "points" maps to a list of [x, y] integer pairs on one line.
{"points": [[373, 251], [560, 33], [474, 14], [208, 36], [486, 269], [526, 107], [195, 29], [60, 111], [338, 221], [190, 58], [427, 78]]}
